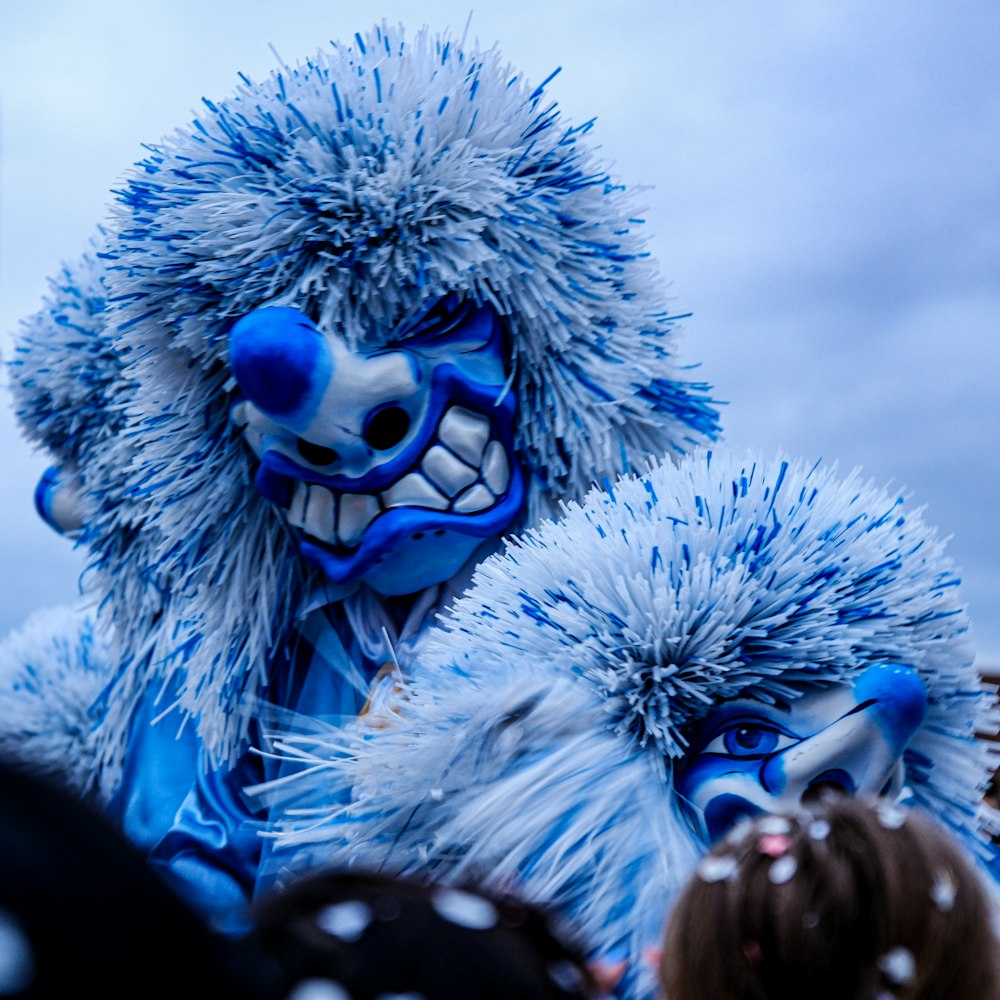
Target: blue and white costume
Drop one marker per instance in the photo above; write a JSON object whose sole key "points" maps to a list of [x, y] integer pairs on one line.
{"points": [[370, 314], [701, 643]]}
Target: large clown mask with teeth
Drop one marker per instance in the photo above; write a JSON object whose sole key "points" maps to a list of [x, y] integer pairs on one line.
{"points": [[749, 757], [394, 464]]}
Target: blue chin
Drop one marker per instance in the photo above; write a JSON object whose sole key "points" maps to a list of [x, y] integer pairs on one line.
{"points": [[406, 549]]}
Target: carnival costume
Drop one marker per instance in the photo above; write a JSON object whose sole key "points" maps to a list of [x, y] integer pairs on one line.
{"points": [[365, 316]]}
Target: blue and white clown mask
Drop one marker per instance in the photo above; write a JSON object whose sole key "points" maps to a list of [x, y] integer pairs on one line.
{"points": [[393, 464], [749, 757]]}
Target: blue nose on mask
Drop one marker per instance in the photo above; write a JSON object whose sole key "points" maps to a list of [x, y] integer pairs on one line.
{"points": [[281, 362], [858, 751]]}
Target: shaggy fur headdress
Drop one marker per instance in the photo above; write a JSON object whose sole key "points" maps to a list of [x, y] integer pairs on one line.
{"points": [[64, 369], [360, 187], [536, 743]]}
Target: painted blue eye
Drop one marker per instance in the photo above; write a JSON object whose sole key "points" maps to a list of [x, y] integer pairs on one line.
{"points": [[749, 738]]}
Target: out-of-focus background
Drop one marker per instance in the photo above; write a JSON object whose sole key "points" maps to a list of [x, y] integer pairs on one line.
{"points": [[823, 195]]}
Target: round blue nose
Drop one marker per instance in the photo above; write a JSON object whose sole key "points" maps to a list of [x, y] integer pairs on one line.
{"points": [[280, 360], [897, 696]]}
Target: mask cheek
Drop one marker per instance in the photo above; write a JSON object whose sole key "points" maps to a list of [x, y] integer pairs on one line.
{"points": [[724, 812]]}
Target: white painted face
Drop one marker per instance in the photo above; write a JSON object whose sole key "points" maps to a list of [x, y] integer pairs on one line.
{"points": [[394, 464], [748, 757]]}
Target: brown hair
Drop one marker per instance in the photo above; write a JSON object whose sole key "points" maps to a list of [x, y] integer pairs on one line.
{"points": [[850, 900]]}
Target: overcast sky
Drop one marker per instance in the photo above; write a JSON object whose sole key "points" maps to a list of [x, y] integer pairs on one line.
{"points": [[823, 195]]}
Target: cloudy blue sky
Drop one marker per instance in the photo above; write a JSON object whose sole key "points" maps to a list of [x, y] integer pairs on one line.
{"points": [[823, 195]]}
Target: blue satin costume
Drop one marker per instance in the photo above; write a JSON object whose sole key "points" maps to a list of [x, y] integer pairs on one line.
{"points": [[199, 828]]}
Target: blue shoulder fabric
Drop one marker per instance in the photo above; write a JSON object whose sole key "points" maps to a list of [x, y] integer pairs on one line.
{"points": [[162, 758], [537, 742]]}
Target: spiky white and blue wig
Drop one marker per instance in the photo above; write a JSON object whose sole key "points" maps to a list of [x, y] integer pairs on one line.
{"points": [[358, 187], [63, 367], [539, 742]]}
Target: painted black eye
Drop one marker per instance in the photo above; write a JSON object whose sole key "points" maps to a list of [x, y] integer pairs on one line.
{"points": [[749, 738], [316, 454], [387, 427]]}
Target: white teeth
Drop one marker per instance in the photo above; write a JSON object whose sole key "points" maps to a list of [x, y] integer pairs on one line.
{"points": [[448, 470], [297, 508], [449, 473], [475, 498], [320, 513], [496, 471], [414, 490], [465, 433], [357, 511]]}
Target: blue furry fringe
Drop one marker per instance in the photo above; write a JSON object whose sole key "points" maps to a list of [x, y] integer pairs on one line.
{"points": [[52, 670]]}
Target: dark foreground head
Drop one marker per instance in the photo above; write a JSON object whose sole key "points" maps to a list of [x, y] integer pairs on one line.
{"points": [[358, 936], [81, 914]]}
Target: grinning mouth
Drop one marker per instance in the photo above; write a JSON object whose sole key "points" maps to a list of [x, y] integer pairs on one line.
{"points": [[462, 472]]}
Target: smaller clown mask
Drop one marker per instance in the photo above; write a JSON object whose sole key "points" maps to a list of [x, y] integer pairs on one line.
{"points": [[749, 757], [393, 463]]}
